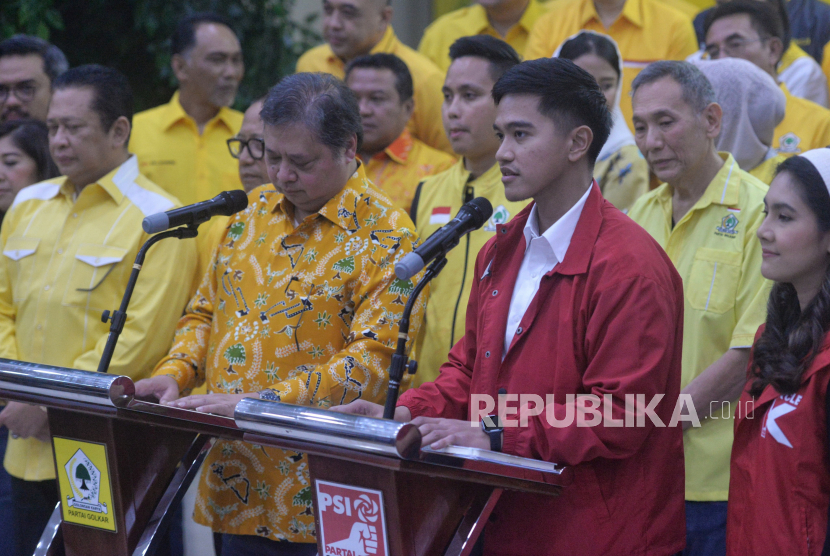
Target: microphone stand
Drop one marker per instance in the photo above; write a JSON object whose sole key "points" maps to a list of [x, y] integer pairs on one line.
{"points": [[119, 318], [400, 360]]}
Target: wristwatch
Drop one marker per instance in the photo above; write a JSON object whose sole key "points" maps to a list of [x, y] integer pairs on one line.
{"points": [[492, 427]]}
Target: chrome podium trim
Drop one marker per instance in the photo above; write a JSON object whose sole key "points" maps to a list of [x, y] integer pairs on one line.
{"points": [[282, 420], [66, 384]]}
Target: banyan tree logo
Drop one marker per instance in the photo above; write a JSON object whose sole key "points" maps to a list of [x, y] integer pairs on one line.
{"points": [[85, 482]]}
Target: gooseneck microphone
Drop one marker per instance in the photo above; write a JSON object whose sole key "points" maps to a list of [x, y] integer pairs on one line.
{"points": [[471, 216], [226, 204]]}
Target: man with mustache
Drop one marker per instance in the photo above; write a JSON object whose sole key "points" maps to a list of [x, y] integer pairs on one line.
{"points": [[27, 67]]}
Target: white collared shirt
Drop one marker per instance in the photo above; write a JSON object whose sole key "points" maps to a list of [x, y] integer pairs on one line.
{"points": [[542, 252]]}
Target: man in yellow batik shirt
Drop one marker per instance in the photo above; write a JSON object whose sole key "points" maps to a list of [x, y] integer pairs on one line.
{"points": [[68, 249], [181, 145], [302, 306], [395, 161], [508, 20], [354, 28]]}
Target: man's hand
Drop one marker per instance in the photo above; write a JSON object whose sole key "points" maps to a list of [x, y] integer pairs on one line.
{"points": [[440, 433], [26, 421], [369, 409], [163, 387], [219, 404]]}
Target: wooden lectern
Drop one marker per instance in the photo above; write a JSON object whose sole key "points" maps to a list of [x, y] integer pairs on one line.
{"points": [[122, 463]]}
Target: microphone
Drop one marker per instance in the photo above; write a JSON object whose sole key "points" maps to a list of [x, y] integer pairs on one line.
{"points": [[471, 216], [226, 204]]}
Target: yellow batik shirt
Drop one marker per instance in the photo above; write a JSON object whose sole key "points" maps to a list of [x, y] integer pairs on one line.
{"points": [[310, 311], [622, 176], [401, 166], [718, 255], [171, 152], [65, 260]]}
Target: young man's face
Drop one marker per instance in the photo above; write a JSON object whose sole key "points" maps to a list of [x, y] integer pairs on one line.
{"points": [[468, 111], [382, 113], [26, 87], [533, 152]]}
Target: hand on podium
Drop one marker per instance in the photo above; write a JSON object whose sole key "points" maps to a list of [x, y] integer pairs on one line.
{"points": [[26, 421], [164, 388], [369, 409]]}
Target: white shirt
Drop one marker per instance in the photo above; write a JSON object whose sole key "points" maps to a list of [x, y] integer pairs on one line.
{"points": [[542, 252]]}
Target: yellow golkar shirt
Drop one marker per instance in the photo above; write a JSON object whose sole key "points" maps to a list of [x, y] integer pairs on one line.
{"points": [[718, 255], [426, 123], [805, 126], [310, 311], [172, 153], [66, 260]]}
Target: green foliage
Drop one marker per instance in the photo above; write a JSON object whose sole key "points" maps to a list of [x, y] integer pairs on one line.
{"points": [[134, 37]]}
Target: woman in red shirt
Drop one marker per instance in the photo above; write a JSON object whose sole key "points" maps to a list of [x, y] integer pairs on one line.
{"points": [[779, 489]]}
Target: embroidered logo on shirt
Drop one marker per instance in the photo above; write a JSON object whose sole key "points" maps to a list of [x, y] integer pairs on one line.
{"points": [[440, 215], [787, 405], [728, 225], [789, 143], [500, 216]]}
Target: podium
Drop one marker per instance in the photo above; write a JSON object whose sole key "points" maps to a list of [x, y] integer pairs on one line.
{"points": [[123, 463]]}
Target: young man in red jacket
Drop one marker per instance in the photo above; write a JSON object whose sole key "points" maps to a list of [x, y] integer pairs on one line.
{"points": [[570, 298]]}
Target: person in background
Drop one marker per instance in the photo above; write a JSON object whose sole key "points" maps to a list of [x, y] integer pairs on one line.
{"points": [[396, 162], [704, 215], [753, 106], [780, 487], [620, 170], [754, 31], [68, 245], [28, 65], [181, 145], [355, 28], [469, 114], [508, 20], [644, 30]]}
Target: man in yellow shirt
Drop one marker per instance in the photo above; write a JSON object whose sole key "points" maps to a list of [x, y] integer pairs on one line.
{"points": [[753, 31], [509, 20], [705, 216], [354, 28], [181, 145], [68, 248], [395, 161], [645, 31], [302, 307], [468, 114]]}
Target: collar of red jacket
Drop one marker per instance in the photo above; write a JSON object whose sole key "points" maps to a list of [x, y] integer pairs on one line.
{"points": [[582, 243]]}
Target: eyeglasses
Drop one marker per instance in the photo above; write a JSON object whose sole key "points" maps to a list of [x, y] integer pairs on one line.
{"points": [[255, 146], [731, 49], [23, 91]]}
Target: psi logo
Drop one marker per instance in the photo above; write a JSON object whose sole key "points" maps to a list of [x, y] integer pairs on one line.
{"points": [[86, 494], [352, 521]]}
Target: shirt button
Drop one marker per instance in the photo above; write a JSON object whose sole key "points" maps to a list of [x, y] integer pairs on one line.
{"points": [[495, 293], [46, 288], [75, 215], [519, 330], [60, 251], [39, 327], [486, 354]]}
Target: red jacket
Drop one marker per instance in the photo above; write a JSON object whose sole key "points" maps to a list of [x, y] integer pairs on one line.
{"points": [[606, 320], [779, 487]]}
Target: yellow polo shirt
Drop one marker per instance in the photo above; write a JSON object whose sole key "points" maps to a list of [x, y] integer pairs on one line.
{"points": [[437, 200], [805, 126], [439, 36], [401, 166], [646, 31], [765, 171], [172, 154], [426, 123], [55, 250], [718, 255]]}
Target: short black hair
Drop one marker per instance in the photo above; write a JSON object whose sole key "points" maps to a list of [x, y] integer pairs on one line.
{"points": [[765, 18], [382, 60], [319, 101], [32, 137], [54, 60], [184, 36], [568, 94], [591, 43], [112, 95], [501, 55]]}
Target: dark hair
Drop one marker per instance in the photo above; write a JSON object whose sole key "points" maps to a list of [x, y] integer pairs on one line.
{"points": [[768, 20], [382, 60], [32, 137], [697, 90], [54, 61], [184, 36], [112, 95], [568, 94], [321, 102], [501, 55], [791, 337], [591, 43]]}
